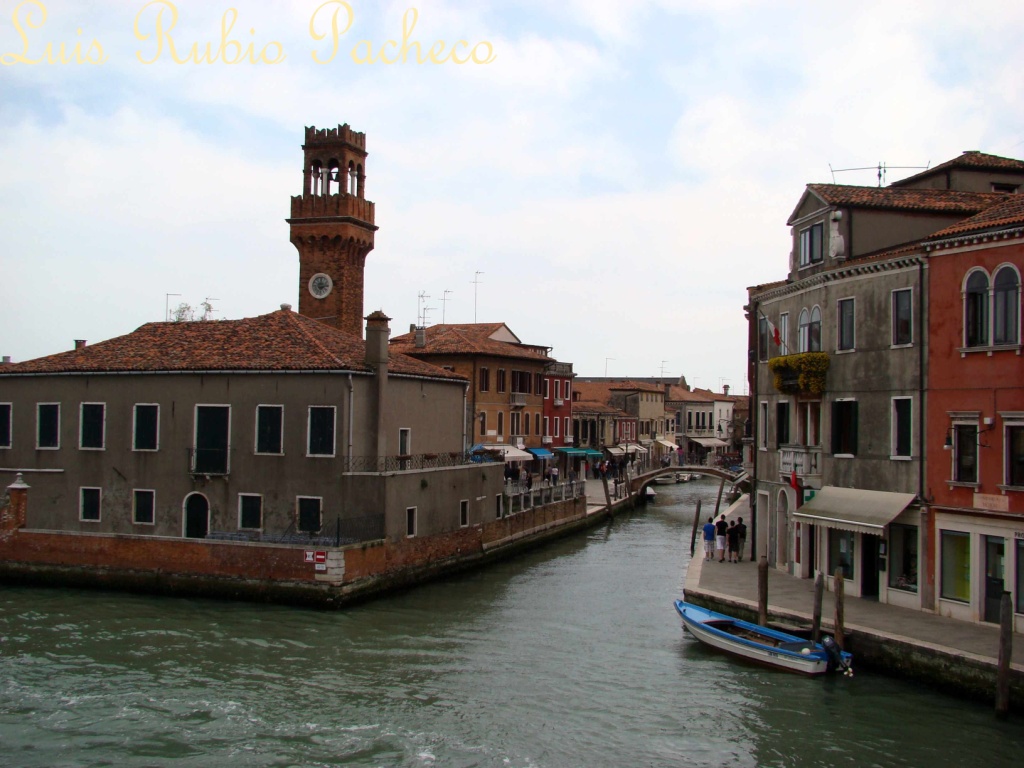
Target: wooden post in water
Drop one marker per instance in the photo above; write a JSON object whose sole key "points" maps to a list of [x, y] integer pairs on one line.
{"points": [[839, 618], [819, 591], [1005, 650], [607, 493], [762, 591], [718, 502], [693, 534]]}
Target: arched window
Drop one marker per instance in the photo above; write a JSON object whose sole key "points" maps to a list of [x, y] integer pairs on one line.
{"points": [[315, 178], [1005, 306], [804, 328], [814, 331], [976, 310]]}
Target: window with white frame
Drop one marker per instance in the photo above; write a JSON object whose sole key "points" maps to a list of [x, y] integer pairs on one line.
{"points": [[845, 338], [902, 317], [803, 330], [92, 420], [844, 427], [784, 333], [89, 504], [901, 429], [814, 331], [250, 511], [320, 430], [1013, 449], [1006, 306], [965, 451], [410, 522], [143, 506], [6, 426], [567, 432], [146, 427], [547, 433], [955, 564], [811, 245], [558, 389], [976, 309], [762, 339], [48, 426], [270, 429], [556, 425], [464, 513], [568, 395]]}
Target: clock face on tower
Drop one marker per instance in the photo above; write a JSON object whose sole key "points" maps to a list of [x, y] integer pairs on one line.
{"points": [[320, 285]]}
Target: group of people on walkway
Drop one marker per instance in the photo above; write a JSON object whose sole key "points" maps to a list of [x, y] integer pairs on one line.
{"points": [[722, 538]]}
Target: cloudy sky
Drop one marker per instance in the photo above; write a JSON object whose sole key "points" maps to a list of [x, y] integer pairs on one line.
{"points": [[617, 175]]}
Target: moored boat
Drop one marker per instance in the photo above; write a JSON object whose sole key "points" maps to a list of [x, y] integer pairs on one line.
{"points": [[761, 644]]}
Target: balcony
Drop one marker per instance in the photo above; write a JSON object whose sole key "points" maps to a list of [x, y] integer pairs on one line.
{"points": [[517, 399], [800, 374], [805, 460], [546, 440], [559, 402], [208, 461]]}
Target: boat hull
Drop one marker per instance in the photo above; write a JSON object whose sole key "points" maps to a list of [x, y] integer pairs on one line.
{"points": [[760, 645]]}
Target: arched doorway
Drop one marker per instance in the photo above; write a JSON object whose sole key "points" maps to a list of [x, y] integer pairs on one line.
{"points": [[197, 516]]}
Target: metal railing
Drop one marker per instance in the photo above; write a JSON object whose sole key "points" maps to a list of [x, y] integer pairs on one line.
{"points": [[401, 463], [208, 461], [342, 531], [520, 498], [803, 459]]}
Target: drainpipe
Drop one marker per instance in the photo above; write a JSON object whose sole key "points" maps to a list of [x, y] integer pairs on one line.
{"points": [[754, 443], [351, 412], [465, 404], [927, 573]]}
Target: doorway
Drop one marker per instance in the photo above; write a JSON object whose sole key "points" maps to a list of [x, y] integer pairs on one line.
{"points": [[197, 516], [995, 549], [869, 566]]}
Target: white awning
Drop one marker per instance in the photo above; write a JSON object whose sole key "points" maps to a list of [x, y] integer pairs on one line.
{"points": [[708, 442], [614, 450], [853, 509], [510, 452], [667, 444], [638, 449]]}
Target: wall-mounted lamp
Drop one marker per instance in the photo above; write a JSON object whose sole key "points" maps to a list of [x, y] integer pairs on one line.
{"points": [[948, 444]]}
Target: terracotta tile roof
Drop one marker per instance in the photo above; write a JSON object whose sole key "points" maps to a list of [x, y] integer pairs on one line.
{"points": [[895, 198], [970, 159], [680, 395], [593, 406], [636, 386], [279, 341], [593, 391], [467, 339], [1008, 213]]}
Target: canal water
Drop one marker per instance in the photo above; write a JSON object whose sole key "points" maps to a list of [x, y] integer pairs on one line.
{"points": [[568, 656]]}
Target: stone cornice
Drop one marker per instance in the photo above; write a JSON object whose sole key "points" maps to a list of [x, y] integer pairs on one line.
{"points": [[840, 273]]}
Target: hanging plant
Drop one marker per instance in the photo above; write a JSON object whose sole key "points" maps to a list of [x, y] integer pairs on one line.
{"points": [[803, 373]]}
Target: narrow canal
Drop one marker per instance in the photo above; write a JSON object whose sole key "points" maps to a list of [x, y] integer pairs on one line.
{"points": [[569, 656]]}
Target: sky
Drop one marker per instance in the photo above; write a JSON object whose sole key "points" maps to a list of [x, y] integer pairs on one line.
{"points": [[607, 177]]}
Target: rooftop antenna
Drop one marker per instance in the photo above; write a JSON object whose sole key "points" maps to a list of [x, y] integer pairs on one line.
{"points": [[663, 368], [425, 310], [421, 298], [167, 305], [880, 170], [444, 304], [476, 283], [208, 307]]}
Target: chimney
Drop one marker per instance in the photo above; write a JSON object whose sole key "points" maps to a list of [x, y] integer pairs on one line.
{"points": [[79, 343], [412, 327], [377, 333], [725, 390], [286, 307], [6, 360], [421, 337]]}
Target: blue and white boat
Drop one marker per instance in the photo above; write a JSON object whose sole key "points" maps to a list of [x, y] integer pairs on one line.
{"points": [[761, 644]]}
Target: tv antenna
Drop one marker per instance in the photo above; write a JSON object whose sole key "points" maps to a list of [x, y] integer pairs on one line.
{"points": [[421, 299], [444, 304], [881, 169]]}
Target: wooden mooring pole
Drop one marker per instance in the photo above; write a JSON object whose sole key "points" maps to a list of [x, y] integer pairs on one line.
{"points": [[1005, 651], [819, 591], [762, 591], [693, 534], [839, 615]]}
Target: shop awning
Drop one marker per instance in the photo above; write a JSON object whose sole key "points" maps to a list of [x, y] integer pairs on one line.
{"points": [[594, 454], [634, 448], [853, 509], [511, 453], [541, 453], [667, 444], [614, 450], [708, 442], [571, 451]]}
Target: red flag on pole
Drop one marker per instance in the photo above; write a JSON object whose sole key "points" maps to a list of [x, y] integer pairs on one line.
{"points": [[794, 483]]}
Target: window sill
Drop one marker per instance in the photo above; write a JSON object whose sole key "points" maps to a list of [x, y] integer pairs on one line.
{"points": [[901, 346], [956, 600], [83, 448], [904, 590], [989, 349], [844, 351], [264, 453], [1014, 488], [901, 458], [958, 484], [844, 456]]}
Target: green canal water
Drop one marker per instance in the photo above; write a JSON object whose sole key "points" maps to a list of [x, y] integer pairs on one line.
{"points": [[568, 656]]}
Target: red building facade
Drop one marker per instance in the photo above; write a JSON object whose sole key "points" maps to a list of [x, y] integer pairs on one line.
{"points": [[975, 415]]}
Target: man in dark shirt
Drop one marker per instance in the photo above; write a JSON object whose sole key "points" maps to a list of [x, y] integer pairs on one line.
{"points": [[721, 527], [741, 532]]}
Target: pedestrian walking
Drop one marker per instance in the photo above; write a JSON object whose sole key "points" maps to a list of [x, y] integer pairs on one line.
{"points": [[721, 529], [732, 537], [709, 539], [741, 533]]}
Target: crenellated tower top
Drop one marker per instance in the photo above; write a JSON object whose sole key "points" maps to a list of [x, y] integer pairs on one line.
{"points": [[332, 227]]}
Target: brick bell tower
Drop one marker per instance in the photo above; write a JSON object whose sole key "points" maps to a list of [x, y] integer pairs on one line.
{"points": [[332, 227]]}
